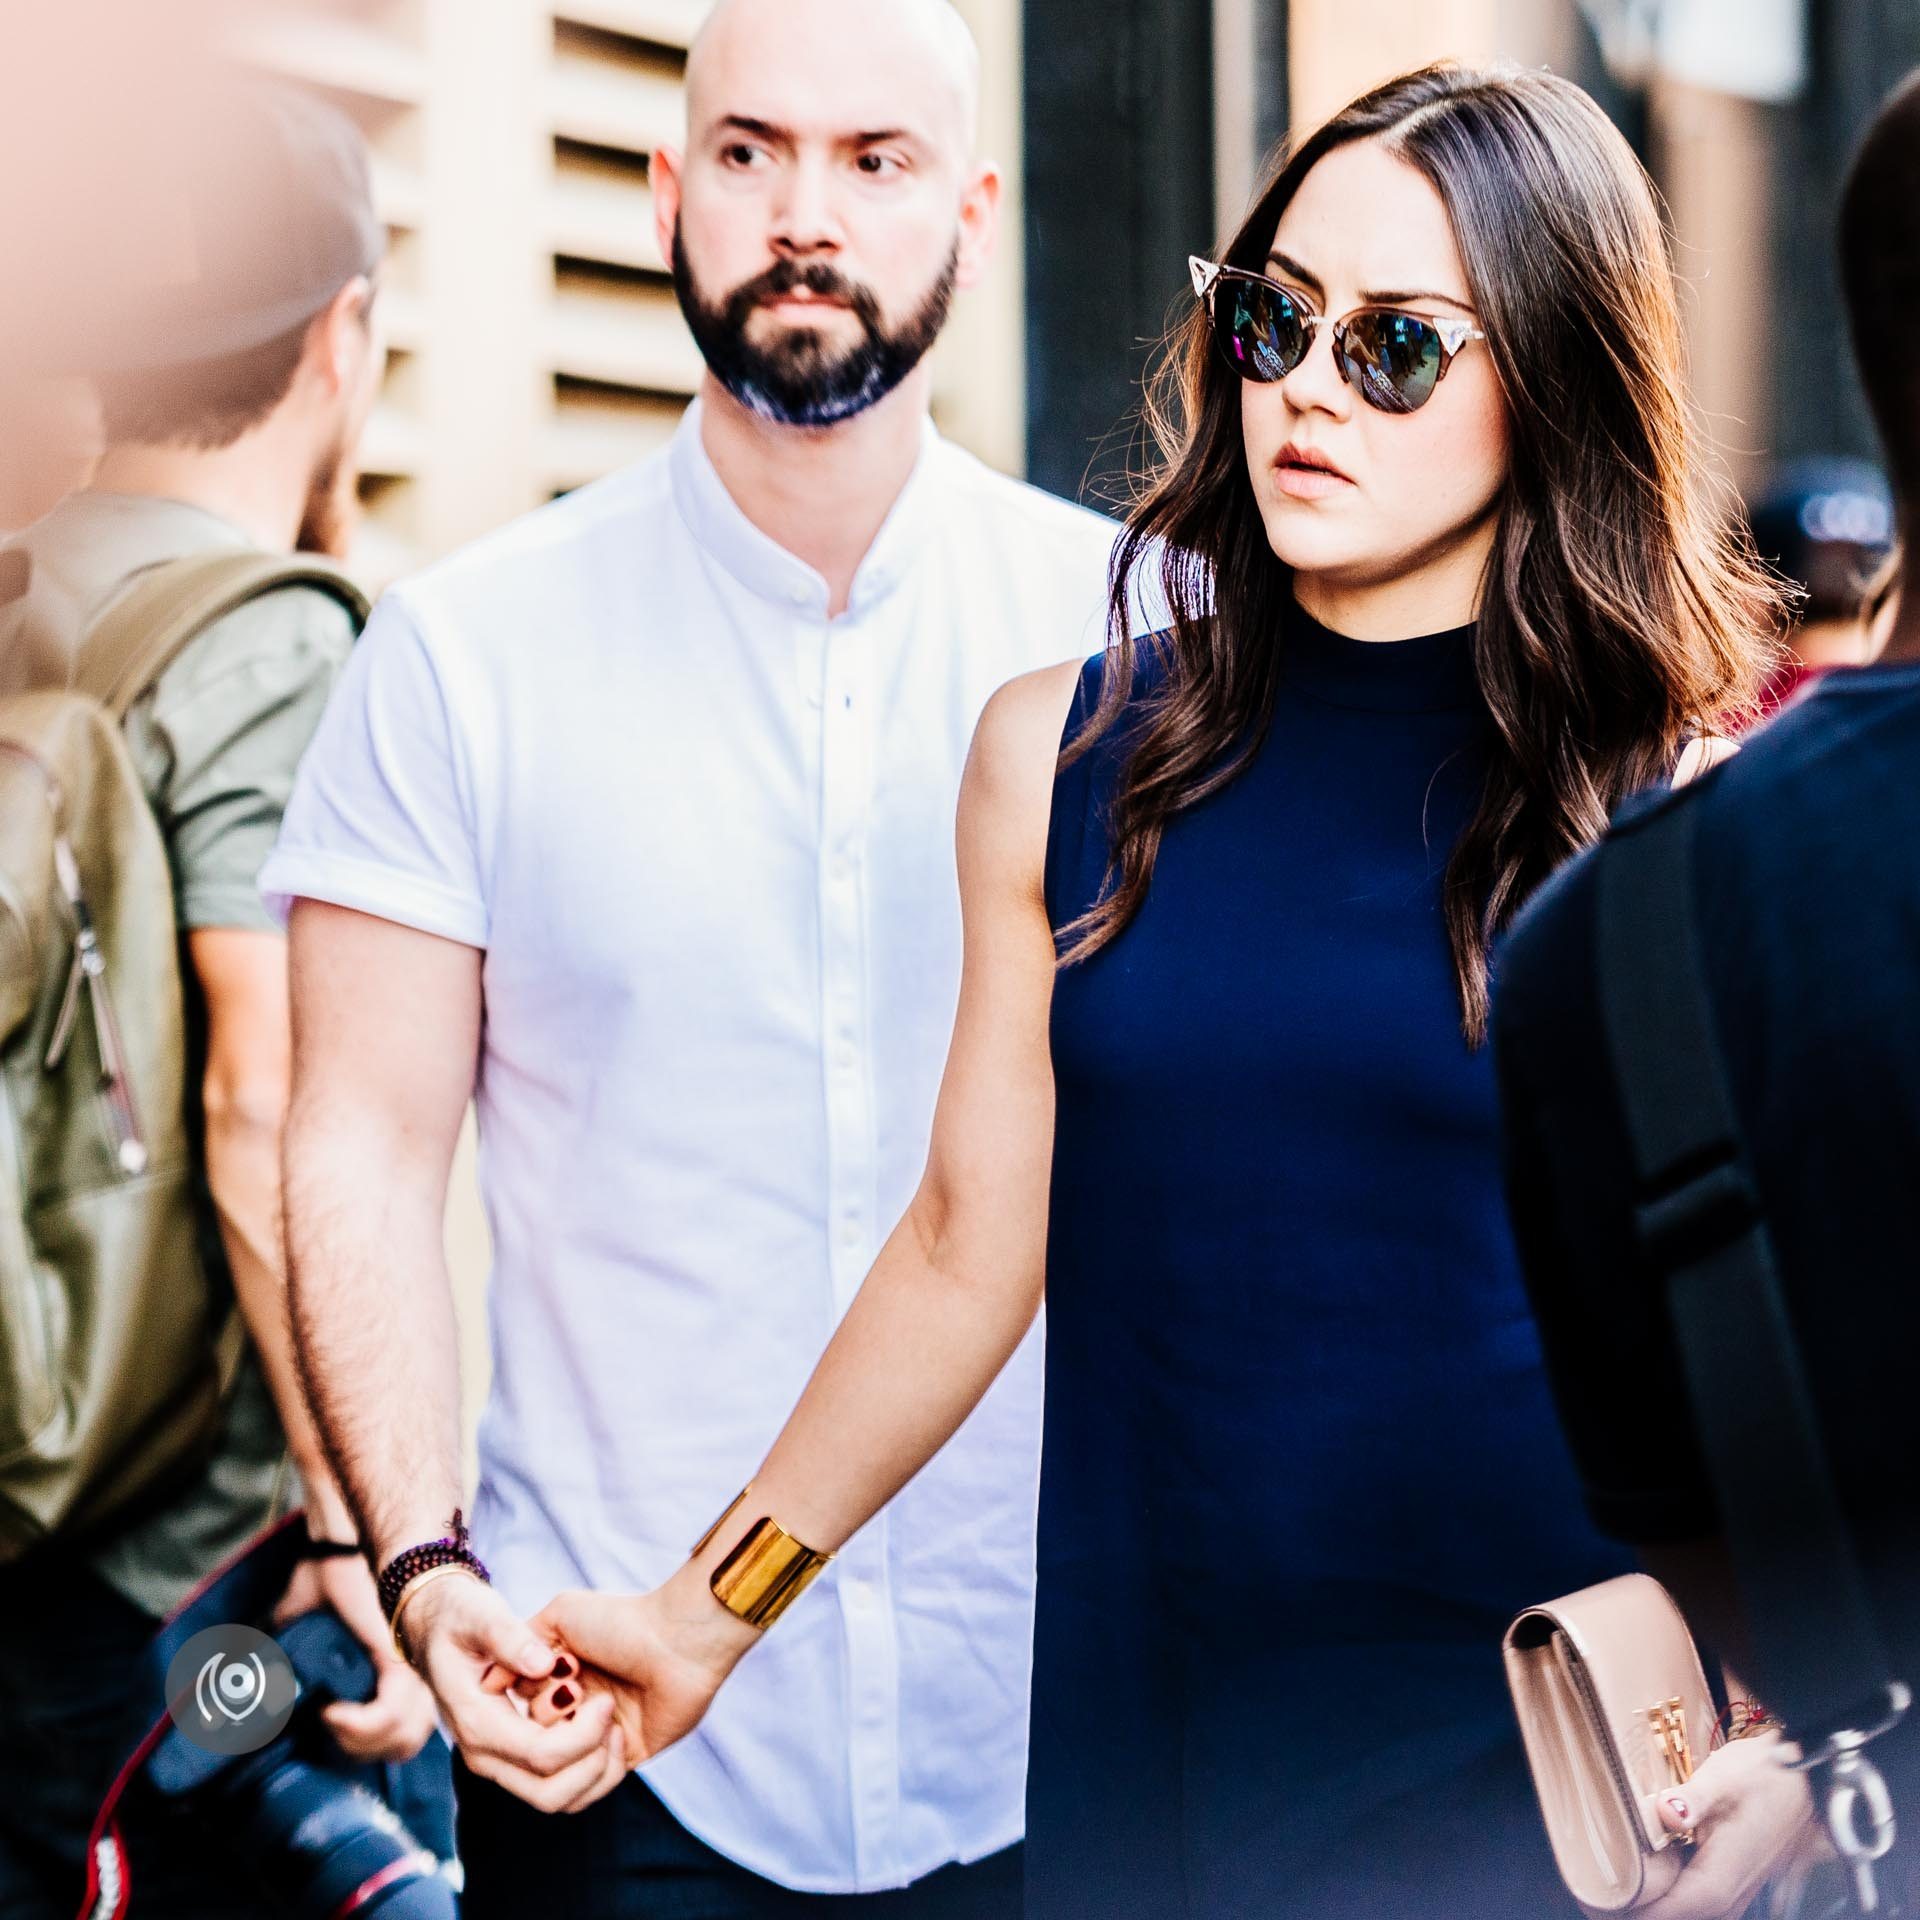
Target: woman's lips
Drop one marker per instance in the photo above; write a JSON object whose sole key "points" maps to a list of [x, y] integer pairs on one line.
{"points": [[1303, 482]]}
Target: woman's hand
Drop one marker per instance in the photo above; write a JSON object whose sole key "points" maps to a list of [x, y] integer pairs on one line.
{"points": [[660, 1656], [1751, 1814], [471, 1648]]}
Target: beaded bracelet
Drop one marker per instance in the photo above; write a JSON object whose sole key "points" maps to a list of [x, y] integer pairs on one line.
{"points": [[455, 1550]]}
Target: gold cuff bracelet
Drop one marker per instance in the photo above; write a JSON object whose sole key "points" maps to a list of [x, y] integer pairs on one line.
{"points": [[767, 1571]]}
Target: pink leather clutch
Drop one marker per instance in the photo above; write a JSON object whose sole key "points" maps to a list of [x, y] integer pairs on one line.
{"points": [[1614, 1710]]}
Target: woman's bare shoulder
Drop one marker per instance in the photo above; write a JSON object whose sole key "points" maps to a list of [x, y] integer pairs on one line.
{"points": [[1007, 796]]}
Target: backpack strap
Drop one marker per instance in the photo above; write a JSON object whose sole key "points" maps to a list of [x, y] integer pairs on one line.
{"points": [[145, 628], [1701, 1224]]}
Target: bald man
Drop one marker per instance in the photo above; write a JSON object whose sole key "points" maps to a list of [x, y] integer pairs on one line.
{"points": [[635, 823]]}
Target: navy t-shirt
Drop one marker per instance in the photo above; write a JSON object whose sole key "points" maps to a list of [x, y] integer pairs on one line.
{"points": [[1809, 873]]}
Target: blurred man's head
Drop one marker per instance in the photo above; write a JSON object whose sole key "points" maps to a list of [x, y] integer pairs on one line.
{"points": [[827, 203], [1880, 274], [270, 323], [1827, 526]]}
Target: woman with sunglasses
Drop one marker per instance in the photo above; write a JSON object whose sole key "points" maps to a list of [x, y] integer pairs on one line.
{"points": [[1446, 584]]}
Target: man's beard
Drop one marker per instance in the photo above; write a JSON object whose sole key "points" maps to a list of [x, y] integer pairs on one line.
{"points": [[800, 379], [332, 511]]}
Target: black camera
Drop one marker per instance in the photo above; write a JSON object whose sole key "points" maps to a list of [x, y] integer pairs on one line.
{"points": [[310, 1826]]}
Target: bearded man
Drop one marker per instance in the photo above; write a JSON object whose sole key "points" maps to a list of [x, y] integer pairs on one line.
{"points": [[635, 822]]}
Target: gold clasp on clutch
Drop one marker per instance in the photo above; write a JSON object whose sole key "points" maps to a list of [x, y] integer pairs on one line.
{"points": [[1669, 1721]]}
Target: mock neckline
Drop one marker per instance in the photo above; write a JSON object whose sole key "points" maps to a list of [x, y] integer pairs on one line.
{"points": [[766, 568], [1425, 673]]}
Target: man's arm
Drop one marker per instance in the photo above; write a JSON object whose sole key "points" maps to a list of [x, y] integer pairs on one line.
{"points": [[243, 979], [386, 1029], [217, 739], [386, 1032]]}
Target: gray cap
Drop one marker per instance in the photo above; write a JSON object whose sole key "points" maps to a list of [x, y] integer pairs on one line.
{"points": [[274, 213]]}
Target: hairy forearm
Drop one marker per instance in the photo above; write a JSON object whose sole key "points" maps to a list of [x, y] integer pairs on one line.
{"points": [[373, 1311], [243, 1171]]}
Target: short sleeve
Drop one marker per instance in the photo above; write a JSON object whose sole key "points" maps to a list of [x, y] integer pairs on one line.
{"points": [[382, 818], [218, 738]]}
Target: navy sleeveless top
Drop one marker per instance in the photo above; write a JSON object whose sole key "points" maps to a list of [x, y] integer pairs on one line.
{"points": [[1300, 1464]]}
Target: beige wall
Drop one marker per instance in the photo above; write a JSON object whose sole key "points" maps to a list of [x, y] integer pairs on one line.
{"points": [[1713, 161], [1336, 51], [980, 365]]}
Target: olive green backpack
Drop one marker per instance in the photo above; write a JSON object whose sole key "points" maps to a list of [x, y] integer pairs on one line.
{"points": [[116, 1347]]}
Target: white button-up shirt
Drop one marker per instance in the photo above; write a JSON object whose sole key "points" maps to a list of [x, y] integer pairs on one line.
{"points": [[704, 836]]}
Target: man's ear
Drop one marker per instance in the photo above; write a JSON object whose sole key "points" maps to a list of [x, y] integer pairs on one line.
{"points": [[338, 340], [665, 173], [979, 226]]}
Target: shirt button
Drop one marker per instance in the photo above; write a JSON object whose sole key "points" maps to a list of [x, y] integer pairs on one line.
{"points": [[800, 596], [841, 869], [845, 1057], [850, 1234]]}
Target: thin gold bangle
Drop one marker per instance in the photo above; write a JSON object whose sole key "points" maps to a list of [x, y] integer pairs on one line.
{"points": [[412, 1587]]}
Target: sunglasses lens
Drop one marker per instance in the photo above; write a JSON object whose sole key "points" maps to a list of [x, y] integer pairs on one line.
{"points": [[1259, 330], [1393, 360]]}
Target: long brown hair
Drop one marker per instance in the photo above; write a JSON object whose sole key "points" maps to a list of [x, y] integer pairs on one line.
{"points": [[1621, 613]]}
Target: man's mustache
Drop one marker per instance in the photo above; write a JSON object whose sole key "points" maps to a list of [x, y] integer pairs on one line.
{"points": [[788, 276]]}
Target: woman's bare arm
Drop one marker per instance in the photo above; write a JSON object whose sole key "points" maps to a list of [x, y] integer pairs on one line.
{"points": [[958, 1282]]}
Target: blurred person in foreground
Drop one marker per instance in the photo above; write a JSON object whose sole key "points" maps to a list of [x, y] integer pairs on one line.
{"points": [[97, 90], [635, 821], [1808, 895], [232, 401], [1827, 527]]}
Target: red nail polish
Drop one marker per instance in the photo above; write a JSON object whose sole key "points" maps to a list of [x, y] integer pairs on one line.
{"points": [[563, 1668], [1681, 1811], [563, 1696]]}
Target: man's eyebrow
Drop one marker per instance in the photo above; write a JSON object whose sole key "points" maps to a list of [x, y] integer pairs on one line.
{"points": [[760, 129], [779, 136], [1384, 297]]}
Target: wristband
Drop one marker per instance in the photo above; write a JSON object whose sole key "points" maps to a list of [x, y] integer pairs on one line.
{"points": [[767, 1571]]}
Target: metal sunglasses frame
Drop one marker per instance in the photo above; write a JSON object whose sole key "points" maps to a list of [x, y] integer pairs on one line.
{"points": [[1454, 334]]}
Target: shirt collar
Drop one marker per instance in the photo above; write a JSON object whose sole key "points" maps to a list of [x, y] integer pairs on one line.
{"points": [[765, 567]]}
